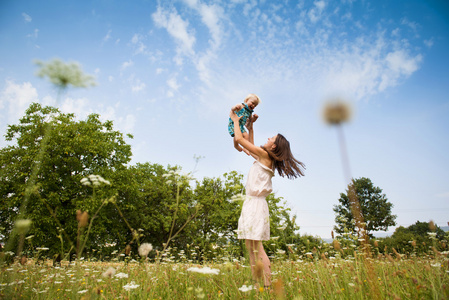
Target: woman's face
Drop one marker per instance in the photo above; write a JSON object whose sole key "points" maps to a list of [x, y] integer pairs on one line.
{"points": [[270, 143]]}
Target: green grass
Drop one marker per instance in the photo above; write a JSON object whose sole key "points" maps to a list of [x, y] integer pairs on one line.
{"points": [[300, 278]]}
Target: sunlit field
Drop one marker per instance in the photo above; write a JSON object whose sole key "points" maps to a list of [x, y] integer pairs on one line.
{"points": [[312, 275], [105, 264]]}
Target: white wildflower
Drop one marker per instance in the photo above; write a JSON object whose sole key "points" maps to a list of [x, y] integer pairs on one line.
{"points": [[436, 265], [205, 270], [144, 249], [109, 272], [121, 275], [238, 197], [274, 237], [245, 288], [42, 248], [130, 286], [82, 291]]}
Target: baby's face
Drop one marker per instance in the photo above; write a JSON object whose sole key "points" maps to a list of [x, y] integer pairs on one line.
{"points": [[252, 103]]}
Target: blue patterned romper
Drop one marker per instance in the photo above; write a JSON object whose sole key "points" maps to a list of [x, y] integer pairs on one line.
{"points": [[246, 112]]}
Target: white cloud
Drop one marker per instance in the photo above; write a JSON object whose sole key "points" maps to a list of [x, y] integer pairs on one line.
{"points": [[138, 86], [137, 41], [127, 64], [173, 84], [107, 37], [17, 98], [320, 5], [81, 107], [367, 68], [128, 123], [400, 62], [210, 16], [177, 28], [34, 35], [316, 12], [26, 17], [429, 43]]}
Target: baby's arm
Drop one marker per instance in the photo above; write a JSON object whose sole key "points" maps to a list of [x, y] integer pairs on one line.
{"points": [[237, 107], [254, 118]]}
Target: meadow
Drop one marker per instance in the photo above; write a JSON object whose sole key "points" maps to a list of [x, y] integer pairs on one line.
{"points": [[310, 275], [354, 269]]}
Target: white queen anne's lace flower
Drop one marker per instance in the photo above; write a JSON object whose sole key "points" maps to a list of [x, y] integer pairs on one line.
{"points": [[109, 272], [144, 249], [205, 270], [121, 275], [245, 288], [131, 286]]}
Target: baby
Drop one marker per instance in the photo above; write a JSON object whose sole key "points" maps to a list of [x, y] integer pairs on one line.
{"points": [[245, 110]]}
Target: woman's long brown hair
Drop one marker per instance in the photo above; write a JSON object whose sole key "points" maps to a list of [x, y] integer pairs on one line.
{"points": [[284, 161]]}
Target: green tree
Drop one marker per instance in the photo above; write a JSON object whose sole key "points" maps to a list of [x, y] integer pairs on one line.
{"points": [[416, 238], [213, 227], [151, 204], [73, 150], [374, 207]]}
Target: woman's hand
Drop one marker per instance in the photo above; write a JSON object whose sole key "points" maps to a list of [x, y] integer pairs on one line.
{"points": [[234, 117], [250, 121]]}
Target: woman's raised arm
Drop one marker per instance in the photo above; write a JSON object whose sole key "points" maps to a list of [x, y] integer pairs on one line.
{"points": [[249, 145]]}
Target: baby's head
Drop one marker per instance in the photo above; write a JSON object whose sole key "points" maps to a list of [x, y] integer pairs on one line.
{"points": [[252, 100]]}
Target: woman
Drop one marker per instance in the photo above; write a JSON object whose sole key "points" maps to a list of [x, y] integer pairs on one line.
{"points": [[254, 221]]}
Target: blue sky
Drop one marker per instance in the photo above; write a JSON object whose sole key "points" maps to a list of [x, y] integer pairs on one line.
{"points": [[169, 71]]}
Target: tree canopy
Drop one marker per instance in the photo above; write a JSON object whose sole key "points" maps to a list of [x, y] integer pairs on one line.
{"points": [[73, 150], [126, 204], [374, 207]]}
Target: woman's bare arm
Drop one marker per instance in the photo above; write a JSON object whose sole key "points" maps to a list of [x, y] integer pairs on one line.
{"points": [[255, 151]]}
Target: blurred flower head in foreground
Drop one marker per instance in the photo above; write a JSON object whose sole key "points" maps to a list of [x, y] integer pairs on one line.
{"points": [[144, 249], [23, 225], [62, 75], [336, 112]]}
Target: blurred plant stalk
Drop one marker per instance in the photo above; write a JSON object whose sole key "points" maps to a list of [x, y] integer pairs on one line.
{"points": [[335, 113], [61, 75]]}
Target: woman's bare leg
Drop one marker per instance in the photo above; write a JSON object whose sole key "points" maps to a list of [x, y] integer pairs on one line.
{"points": [[266, 264], [257, 253], [250, 246]]}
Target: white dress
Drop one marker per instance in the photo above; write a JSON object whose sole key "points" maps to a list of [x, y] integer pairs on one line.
{"points": [[254, 221]]}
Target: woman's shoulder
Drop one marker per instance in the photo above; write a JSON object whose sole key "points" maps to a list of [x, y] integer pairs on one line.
{"points": [[266, 162]]}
